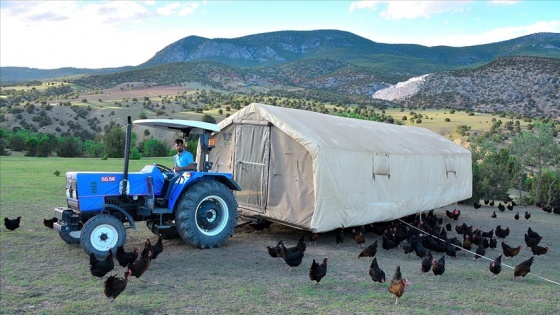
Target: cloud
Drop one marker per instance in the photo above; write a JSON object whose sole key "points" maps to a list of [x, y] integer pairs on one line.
{"points": [[496, 35], [505, 2], [178, 8], [397, 10]]}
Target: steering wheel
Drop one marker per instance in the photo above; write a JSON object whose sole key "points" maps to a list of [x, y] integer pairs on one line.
{"points": [[163, 169]]}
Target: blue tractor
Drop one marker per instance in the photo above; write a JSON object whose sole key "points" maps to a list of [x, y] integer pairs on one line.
{"points": [[201, 207]]}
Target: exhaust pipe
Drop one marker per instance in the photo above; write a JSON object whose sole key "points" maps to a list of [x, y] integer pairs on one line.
{"points": [[124, 184]]}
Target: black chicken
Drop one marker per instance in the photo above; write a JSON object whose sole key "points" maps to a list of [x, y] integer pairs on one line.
{"points": [[125, 258], [516, 216], [501, 207], [480, 251], [477, 205], [12, 224], [527, 215], [532, 241], [140, 265], [369, 251], [492, 203], [115, 285], [539, 250], [292, 259], [339, 237], [157, 248], [510, 207], [318, 271], [496, 265], [427, 262], [274, 251], [438, 266], [449, 249], [502, 233], [99, 268], [376, 274], [494, 215], [523, 268], [532, 233], [50, 222]]}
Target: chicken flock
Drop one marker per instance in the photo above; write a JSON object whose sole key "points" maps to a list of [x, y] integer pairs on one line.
{"points": [[420, 235]]}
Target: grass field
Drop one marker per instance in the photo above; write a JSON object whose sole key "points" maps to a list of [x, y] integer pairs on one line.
{"points": [[40, 274]]}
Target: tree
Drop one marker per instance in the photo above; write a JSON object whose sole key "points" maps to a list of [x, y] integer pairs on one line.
{"points": [[490, 169], [114, 142], [546, 152], [154, 147], [522, 146], [208, 118], [70, 147]]}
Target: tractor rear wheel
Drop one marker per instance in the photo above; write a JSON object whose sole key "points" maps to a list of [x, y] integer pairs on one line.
{"points": [[206, 214], [100, 233]]}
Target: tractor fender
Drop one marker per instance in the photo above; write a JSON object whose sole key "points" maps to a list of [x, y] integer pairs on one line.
{"points": [[121, 210], [196, 177]]}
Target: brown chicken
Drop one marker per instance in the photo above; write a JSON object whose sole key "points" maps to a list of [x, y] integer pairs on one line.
{"points": [[453, 214], [438, 266], [369, 251], [115, 285], [50, 222], [397, 285], [12, 224], [510, 251], [318, 271], [138, 267], [359, 237], [496, 266], [147, 248], [523, 268], [313, 237]]}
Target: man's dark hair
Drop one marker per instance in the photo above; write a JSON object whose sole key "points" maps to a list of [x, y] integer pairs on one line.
{"points": [[179, 141]]}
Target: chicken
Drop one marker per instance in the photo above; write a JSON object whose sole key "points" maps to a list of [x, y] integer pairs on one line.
{"points": [[438, 266], [157, 248], [510, 251], [12, 224], [139, 266], [494, 215], [339, 237], [539, 250], [510, 207], [427, 262], [453, 214], [502, 233], [516, 216], [318, 271], [115, 285], [467, 242], [359, 237], [273, 251], [486, 201], [50, 222], [99, 268], [532, 233], [448, 227], [523, 268], [299, 246], [527, 215], [532, 241], [477, 205], [369, 251], [313, 237], [397, 285], [449, 249], [492, 203], [292, 259], [376, 274], [480, 251], [125, 258], [496, 265], [501, 207], [147, 248]]}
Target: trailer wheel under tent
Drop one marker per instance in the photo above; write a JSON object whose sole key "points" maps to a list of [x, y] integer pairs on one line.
{"points": [[320, 172]]}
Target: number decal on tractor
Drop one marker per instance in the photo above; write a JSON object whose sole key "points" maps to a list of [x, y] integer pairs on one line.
{"points": [[106, 179]]}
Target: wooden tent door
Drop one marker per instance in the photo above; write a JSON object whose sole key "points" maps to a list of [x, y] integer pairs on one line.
{"points": [[252, 155]]}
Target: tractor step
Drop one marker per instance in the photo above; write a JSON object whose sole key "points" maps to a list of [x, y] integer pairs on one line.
{"points": [[162, 226], [159, 210]]}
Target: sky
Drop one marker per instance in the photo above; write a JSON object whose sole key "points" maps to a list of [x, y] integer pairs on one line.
{"points": [[102, 34]]}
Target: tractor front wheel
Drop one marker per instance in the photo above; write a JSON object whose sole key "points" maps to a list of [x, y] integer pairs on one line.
{"points": [[206, 214], [102, 232]]}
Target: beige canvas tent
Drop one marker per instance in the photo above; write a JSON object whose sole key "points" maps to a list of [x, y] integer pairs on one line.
{"points": [[320, 172]]}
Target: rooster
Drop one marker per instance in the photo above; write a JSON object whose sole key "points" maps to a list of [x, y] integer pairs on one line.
{"points": [[496, 266], [369, 251], [125, 258], [12, 224], [114, 285], [99, 268], [50, 222], [523, 268], [397, 285], [376, 274], [318, 271]]}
